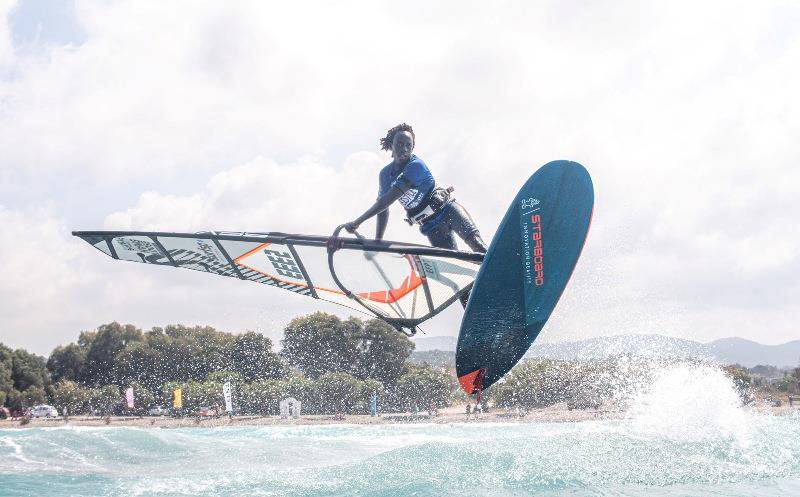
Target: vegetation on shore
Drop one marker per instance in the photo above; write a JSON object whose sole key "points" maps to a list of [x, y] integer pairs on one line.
{"points": [[330, 365]]}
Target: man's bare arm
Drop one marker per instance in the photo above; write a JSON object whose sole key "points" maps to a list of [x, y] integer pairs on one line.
{"points": [[383, 220], [379, 206]]}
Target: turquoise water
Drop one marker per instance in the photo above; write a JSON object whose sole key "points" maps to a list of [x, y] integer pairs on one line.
{"points": [[682, 436]]}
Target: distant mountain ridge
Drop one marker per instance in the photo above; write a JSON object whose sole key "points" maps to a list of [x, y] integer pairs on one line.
{"points": [[725, 350], [434, 343], [749, 353]]}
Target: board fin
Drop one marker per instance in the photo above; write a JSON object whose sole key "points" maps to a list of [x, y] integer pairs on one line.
{"points": [[469, 382]]}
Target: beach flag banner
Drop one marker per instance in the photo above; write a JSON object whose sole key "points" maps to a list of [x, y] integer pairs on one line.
{"points": [[226, 392], [177, 402], [129, 397]]}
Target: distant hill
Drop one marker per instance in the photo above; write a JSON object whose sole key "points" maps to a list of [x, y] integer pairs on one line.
{"points": [[749, 353], [438, 358], [725, 350], [424, 343], [601, 347]]}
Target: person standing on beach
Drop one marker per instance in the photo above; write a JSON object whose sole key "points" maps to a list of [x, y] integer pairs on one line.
{"points": [[469, 410]]}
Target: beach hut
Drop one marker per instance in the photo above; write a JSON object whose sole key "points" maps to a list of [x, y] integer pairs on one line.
{"points": [[290, 408]]}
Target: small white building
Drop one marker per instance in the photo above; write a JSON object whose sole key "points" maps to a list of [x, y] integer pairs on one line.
{"points": [[290, 408]]}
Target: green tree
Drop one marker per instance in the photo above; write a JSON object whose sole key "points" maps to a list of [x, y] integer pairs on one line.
{"points": [[178, 353], [262, 397], [381, 352], [105, 399], [69, 394], [196, 394], [110, 340], [138, 362], [253, 358], [66, 362], [220, 377], [739, 375], [33, 395], [29, 370], [322, 343], [742, 380], [86, 339], [209, 350], [6, 370], [788, 384], [304, 390], [172, 360], [14, 400], [339, 393], [424, 387], [589, 383], [533, 383], [142, 398]]}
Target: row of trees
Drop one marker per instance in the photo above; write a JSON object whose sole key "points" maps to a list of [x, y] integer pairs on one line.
{"points": [[328, 363], [418, 388], [23, 377], [315, 345], [118, 354], [331, 365], [329, 393], [542, 382]]}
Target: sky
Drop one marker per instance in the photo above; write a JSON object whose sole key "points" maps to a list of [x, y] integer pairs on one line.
{"points": [[266, 116]]}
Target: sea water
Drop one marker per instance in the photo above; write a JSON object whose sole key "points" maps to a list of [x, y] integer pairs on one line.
{"points": [[684, 434]]}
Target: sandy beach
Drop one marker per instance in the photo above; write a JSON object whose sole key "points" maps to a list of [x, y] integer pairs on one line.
{"points": [[558, 413]]}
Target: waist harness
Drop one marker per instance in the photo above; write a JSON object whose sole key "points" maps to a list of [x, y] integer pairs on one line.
{"points": [[436, 201]]}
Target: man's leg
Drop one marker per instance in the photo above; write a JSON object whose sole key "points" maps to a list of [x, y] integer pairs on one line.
{"points": [[461, 222], [476, 243], [442, 236], [458, 220]]}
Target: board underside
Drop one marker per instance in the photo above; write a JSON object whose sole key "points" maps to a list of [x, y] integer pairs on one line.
{"points": [[524, 272]]}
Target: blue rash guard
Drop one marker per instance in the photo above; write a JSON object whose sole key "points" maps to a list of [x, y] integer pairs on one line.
{"points": [[416, 182]]}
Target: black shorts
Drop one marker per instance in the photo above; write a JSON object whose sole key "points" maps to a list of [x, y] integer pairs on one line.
{"points": [[456, 221]]}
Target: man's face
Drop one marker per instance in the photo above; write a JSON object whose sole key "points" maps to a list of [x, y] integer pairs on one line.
{"points": [[402, 145]]}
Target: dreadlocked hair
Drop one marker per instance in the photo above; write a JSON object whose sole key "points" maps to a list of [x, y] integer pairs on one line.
{"points": [[386, 142]]}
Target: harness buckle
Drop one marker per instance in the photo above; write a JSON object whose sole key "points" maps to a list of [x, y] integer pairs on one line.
{"points": [[439, 198], [422, 216]]}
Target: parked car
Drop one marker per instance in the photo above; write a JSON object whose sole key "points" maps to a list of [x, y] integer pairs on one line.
{"points": [[157, 411], [44, 411]]}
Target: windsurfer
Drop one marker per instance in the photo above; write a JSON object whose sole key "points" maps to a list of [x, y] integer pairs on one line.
{"points": [[408, 180]]}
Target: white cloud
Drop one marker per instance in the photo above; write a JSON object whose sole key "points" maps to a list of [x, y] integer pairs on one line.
{"points": [[263, 195], [6, 50], [43, 279]]}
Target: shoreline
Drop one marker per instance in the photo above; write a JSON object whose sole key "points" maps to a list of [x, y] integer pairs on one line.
{"points": [[304, 420], [453, 414], [552, 414]]}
